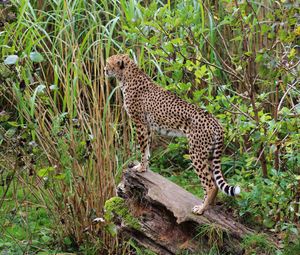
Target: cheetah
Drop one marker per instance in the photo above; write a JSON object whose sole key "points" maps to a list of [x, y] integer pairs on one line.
{"points": [[153, 108]]}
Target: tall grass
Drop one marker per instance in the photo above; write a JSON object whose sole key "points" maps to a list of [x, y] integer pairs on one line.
{"points": [[70, 110], [237, 59]]}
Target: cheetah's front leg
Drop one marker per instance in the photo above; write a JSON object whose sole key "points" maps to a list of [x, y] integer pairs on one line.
{"points": [[143, 134]]}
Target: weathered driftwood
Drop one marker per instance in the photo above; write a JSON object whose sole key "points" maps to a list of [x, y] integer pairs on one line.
{"points": [[167, 224]]}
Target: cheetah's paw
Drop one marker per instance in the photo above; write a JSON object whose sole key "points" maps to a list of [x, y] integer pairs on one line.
{"points": [[198, 209]]}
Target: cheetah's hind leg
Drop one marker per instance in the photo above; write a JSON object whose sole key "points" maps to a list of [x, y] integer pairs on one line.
{"points": [[200, 159], [209, 200]]}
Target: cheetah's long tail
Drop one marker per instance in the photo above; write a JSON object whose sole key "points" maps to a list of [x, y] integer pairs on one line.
{"points": [[223, 185]]}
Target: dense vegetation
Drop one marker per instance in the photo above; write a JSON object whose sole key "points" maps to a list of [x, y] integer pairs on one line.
{"points": [[65, 137]]}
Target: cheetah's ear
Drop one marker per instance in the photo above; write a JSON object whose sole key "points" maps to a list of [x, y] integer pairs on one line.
{"points": [[121, 64]]}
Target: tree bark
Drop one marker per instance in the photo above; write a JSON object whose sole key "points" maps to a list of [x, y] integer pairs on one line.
{"points": [[167, 224]]}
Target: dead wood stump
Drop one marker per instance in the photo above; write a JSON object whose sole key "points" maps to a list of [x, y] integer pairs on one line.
{"points": [[167, 224]]}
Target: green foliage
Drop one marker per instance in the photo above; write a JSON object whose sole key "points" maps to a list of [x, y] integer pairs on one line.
{"points": [[292, 248], [28, 227], [62, 121], [269, 201], [254, 97], [258, 244], [139, 250], [171, 157], [214, 234], [116, 207]]}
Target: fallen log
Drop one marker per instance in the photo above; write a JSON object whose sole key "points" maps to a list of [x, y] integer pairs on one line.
{"points": [[168, 226]]}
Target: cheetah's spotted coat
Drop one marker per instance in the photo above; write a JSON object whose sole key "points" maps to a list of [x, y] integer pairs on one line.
{"points": [[153, 108]]}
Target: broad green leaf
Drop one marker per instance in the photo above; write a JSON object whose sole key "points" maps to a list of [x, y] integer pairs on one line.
{"points": [[187, 156], [200, 72], [13, 123], [177, 41], [11, 60], [36, 57], [292, 53], [43, 172], [60, 176]]}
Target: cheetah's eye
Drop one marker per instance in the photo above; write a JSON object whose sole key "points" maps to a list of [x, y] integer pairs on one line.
{"points": [[121, 64]]}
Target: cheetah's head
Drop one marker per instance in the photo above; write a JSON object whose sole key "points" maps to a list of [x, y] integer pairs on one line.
{"points": [[116, 65]]}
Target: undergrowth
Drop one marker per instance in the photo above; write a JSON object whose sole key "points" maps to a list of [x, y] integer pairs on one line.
{"points": [[65, 137]]}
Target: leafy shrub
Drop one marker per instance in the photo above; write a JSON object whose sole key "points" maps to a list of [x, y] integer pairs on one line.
{"points": [[237, 59], [224, 58]]}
